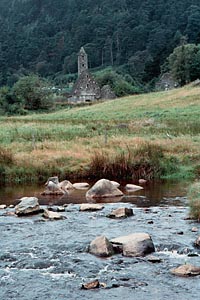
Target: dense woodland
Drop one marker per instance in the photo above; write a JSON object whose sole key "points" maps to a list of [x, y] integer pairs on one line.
{"points": [[133, 36]]}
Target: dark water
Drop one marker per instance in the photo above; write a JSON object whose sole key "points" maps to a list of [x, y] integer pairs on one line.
{"points": [[43, 260], [154, 193]]}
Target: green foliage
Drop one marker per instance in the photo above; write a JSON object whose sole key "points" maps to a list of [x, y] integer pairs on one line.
{"points": [[45, 36], [194, 198], [121, 85], [33, 92], [184, 63]]}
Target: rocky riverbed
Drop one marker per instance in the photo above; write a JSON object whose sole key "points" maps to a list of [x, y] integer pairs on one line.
{"points": [[42, 259]]}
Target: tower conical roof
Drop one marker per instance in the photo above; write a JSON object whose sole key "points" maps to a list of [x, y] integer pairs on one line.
{"points": [[82, 51]]}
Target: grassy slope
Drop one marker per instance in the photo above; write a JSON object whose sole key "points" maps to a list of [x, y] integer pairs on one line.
{"points": [[64, 141]]}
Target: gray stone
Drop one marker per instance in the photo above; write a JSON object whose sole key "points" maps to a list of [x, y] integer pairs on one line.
{"points": [[65, 185], [107, 93], [81, 185], [3, 206], [53, 187], [53, 179], [102, 189], [115, 183], [142, 181], [28, 205], [52, 215], [122, 212], [197, 242], [101, 247], [135, 245], [90, 207], [133, 187], [186, 270]]}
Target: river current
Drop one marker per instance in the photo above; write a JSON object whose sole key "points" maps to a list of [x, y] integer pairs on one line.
{"points": [[41, 259]]}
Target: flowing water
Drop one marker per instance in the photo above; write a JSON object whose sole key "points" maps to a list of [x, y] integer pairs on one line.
{"points": [[42, 259]]}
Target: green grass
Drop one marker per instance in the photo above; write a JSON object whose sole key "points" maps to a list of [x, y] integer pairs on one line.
{"points": [[194, 201], [64, 142]]}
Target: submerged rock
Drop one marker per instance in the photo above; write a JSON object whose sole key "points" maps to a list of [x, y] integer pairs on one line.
{"points": [[90, 207], [102, 189], [186, 270], [135, 245], [52, 215], [28, 205], [133, 187], [122, 212], [81, 185], [101, 247]]}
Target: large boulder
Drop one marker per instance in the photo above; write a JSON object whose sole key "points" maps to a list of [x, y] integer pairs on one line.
{"points": [[186, 270], [134, 245], [101, 247], [102, 189], [90, 207], [28, 205], [115, 183], [122, 212]]}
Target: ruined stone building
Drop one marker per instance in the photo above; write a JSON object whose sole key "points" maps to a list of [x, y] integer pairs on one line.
{"points": [[86, 89]]}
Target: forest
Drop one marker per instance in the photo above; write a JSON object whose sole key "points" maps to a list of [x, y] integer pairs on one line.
{"points": [[133, 37]]}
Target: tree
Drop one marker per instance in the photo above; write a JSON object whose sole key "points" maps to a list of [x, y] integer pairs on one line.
{"points": [[34, 92], [184, 63]]}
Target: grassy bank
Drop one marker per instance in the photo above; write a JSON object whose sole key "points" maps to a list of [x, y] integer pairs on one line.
{"points": [[68, 142]]}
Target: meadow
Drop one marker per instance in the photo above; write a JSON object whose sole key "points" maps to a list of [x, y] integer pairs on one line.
{"points": [[149, 135]]}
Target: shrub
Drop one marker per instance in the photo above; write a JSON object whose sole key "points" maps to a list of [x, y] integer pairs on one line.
{"points": [[194, 200], [145, 161]]}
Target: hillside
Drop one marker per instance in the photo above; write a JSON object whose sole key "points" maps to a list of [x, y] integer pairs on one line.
{"points": [[44, 36], [167, 123]]}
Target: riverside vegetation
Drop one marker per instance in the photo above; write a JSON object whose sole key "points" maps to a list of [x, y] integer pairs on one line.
{"points": [[150, 135]]}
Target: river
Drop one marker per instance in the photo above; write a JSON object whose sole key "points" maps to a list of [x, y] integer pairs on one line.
{"points": [[42, 259]]}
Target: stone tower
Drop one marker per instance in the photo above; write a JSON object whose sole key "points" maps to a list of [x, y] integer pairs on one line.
{"points": [[82, 61]]}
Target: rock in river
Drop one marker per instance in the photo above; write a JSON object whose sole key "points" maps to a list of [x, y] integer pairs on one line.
{"points": [[28, 205], [101, 247], [81, 185], [103, 188], [3, 206], [135, 245], [66, 185], [197, 242], [133, 187], [186, 270], [52, 215], [91, 285], [90, 207], [122, 212]]}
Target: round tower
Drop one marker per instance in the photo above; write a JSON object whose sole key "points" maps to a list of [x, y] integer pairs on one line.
{"points": [[82, 61]]}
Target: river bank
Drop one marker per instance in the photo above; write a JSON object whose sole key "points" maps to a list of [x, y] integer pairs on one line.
{"points": [[161, 130]]}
